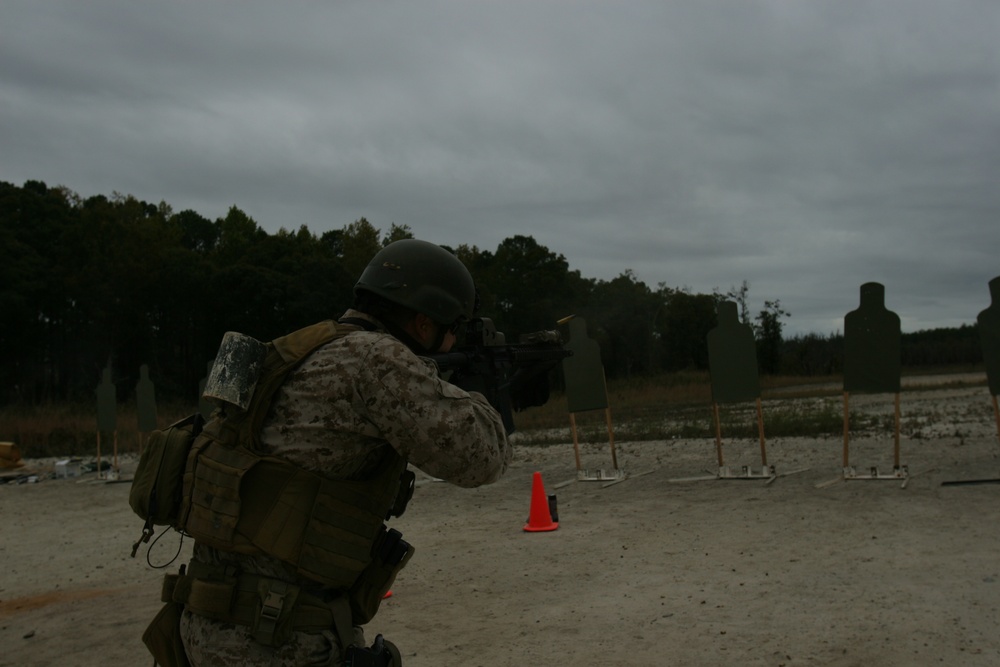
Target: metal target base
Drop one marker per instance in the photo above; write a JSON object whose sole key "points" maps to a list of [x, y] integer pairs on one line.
{"points": [[746, 472], [899, 472], [600, 475]]}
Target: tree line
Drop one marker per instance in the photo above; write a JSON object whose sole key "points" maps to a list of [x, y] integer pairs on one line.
{"points": [[90, 283]]}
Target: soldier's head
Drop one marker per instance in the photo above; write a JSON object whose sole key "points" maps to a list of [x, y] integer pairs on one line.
{"points": [[420, 288]]}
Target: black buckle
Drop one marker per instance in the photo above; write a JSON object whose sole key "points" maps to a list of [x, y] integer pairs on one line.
{"points": [[271, 605]]}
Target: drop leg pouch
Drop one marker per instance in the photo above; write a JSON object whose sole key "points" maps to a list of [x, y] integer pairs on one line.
{"points": [[163, 637]]}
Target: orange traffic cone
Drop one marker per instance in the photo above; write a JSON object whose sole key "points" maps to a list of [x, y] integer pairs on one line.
{"points": [[540, 518]]}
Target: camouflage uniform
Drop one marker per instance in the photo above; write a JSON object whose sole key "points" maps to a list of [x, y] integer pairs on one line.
{"points": [[335, 413]]}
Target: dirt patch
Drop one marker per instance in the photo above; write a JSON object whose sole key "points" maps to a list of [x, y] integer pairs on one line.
{"points": [[805, 570], [32, 602]]}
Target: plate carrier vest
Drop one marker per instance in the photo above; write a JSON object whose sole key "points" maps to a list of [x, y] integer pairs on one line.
{"points": [[241, 500]]}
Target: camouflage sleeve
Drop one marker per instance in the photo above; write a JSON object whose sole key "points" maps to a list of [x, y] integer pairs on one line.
{"points": [[443, 430]]}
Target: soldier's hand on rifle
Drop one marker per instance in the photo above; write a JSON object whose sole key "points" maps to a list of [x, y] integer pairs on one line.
{"points": [[531, 391]]}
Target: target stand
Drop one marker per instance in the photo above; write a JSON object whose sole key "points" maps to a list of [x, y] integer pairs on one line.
{"points": [[599, 475], [989, 480], [616, 474], [764, 471], [899, 472], [747, 472]]}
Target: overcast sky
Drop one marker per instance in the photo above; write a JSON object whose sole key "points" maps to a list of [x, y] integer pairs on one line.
{"points": [[806, 147]]}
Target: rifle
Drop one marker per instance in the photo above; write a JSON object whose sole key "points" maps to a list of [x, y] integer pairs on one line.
{"points": [[511, 377]]}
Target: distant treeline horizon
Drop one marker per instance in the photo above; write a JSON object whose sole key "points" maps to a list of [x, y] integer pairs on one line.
{"points": [[97, 282]]}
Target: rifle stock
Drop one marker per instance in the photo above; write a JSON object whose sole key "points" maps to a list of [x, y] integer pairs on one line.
{"points": [[512, 377]]}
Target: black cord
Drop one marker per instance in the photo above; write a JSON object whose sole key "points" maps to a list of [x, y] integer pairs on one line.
{"points": [[180, 545]]}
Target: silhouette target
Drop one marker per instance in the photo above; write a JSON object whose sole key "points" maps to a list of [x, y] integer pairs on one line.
{"points": [[107, 404], [732, 358], [145, 395], [583, 371], [872, 360], [989, 334]]}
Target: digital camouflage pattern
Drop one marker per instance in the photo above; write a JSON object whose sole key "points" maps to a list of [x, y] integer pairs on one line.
{"points": [[348, 400], [210, 644]]}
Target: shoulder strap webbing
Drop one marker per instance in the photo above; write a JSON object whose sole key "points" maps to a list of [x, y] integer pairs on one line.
{"points": [[284, 355]]}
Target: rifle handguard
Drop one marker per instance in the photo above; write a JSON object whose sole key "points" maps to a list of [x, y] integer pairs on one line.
{"points": [[511, 377]]}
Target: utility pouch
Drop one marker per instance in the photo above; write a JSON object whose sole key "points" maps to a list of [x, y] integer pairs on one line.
{"points": [[389, 555], [163, 637], [156, 487], [158, 484], [213, 509]]}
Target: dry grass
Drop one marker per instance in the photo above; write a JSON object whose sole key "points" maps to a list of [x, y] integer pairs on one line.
{"points": [[679, 405], [71, 429], [676, 405], [677, 396]]}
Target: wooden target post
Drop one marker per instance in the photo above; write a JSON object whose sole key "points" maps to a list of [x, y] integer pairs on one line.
{"points": [[107, 421], [747, 471], [872, 472], [112, 474], [989, 480], [586, 390], [732, 361], [872, 364], [988, 322], [599, 474]]}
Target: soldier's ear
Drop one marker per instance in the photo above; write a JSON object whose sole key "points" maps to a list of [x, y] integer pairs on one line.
{"points": [[422, 328], [423, 324]]}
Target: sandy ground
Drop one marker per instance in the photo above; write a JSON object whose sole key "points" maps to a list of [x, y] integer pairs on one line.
{"points": [[805, 570]]}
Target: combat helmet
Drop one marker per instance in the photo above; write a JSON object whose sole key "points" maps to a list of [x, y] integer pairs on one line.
{"points": [[423, 277]]}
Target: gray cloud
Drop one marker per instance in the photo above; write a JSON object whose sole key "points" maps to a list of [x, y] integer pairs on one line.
{"points": [[804, 147]]}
